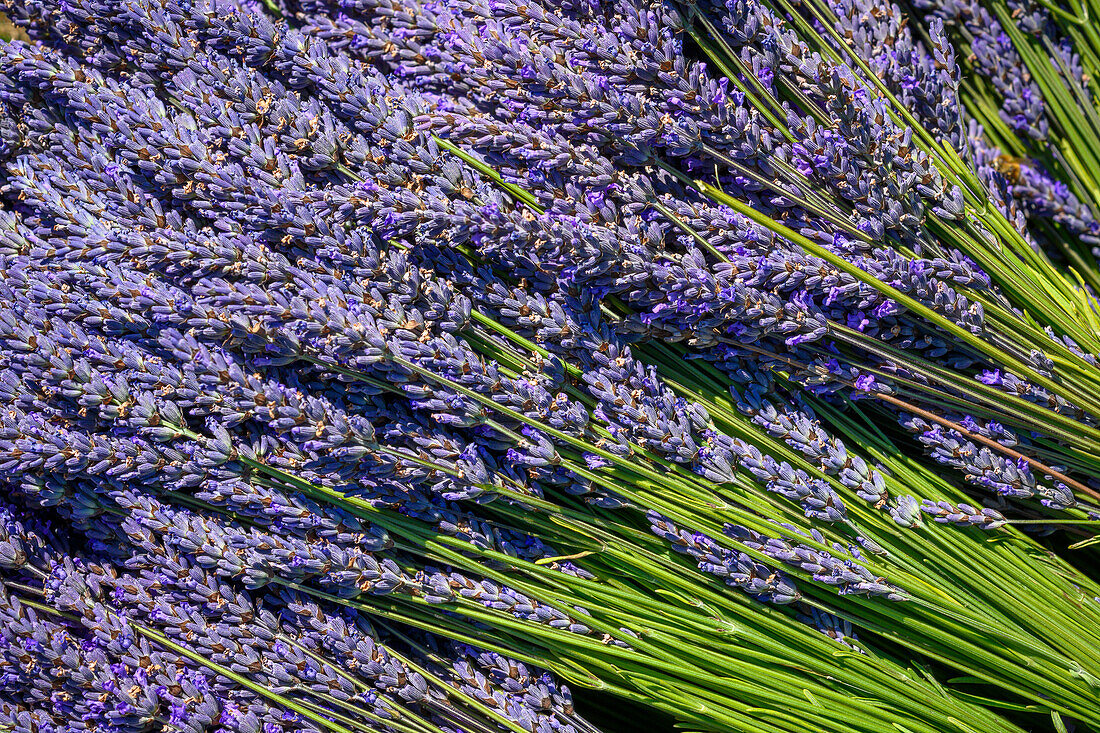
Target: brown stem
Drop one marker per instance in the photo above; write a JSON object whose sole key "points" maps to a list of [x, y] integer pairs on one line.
{"points": [[986, 441], [938, 420]]}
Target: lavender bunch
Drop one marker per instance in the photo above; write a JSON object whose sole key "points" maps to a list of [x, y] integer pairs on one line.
{"points": [[667, 315], [90, 637], [117, 412], [1034, 93], [424, 312]]}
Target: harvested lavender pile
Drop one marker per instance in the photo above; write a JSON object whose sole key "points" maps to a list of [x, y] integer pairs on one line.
{"points": [[396, 366]]}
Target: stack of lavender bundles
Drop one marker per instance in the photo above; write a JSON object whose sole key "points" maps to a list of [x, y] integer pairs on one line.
{"points": [[517, 325]]}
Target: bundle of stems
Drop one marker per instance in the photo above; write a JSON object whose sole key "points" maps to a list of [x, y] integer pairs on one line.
{"points": [[971, 601], [1037, 305], [714, 660], [1057, 48]]}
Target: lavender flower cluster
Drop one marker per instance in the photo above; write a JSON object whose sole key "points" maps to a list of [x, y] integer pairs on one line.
{"points": [[78, 655]]}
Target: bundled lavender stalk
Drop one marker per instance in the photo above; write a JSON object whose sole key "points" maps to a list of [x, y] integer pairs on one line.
{"points": [[86, 644]]}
